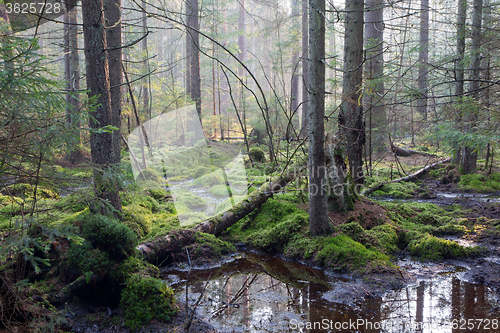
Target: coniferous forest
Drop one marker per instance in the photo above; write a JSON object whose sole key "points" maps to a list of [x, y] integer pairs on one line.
{"points": [[249, 166]]}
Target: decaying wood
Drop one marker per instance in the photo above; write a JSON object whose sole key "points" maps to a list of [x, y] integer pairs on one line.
{"points": [[407, 152], [158, 250], [404, 179]]}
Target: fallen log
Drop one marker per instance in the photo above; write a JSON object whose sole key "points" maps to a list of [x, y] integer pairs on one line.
{"points": [[404, 179], [158, 250], [406, 152]]}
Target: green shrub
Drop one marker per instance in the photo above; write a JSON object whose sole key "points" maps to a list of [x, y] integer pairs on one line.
{"points": [[146, 298], [109, 236]]}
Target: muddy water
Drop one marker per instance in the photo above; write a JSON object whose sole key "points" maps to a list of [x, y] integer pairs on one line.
{"points": [[256, 293]]}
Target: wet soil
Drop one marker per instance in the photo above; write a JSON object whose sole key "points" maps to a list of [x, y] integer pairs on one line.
{"points": [[258, 293]]}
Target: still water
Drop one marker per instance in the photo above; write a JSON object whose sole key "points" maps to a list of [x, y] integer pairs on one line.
{"points": [[258, 293]]}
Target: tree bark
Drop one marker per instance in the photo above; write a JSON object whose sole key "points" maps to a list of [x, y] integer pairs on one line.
{"points": [[423, 58], [318, 219], [97, 71], [293, 124], [350, 120], [469, 155], [114, 42], [193, 53], [374, 72], [305, 70], [460, 71], [157, 250]]}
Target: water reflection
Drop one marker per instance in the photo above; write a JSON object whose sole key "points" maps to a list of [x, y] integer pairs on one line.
{"points": [[257, 293]]}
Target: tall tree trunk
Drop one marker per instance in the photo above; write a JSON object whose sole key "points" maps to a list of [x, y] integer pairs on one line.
{"points": [[114, 42], [145, 80], [242, 44], [460, 71], [423, 58], [193, 53], [374, 105], [469, 156], [305, 70], [318, 219], [293, 125], [351, 125], [97, 71]]}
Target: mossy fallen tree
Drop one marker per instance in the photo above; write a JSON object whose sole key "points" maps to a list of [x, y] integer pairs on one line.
{"points": [[158, 250], [407, 152], [377, 186]]}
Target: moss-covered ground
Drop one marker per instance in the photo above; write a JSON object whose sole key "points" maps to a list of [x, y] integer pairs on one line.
{"points": [[58, 235]]}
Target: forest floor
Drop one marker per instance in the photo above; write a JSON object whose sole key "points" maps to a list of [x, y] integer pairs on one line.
{"points": [[401, 233]]}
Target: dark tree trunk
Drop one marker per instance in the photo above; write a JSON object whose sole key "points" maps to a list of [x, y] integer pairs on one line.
{"points": [[193, 54], [459, 71], [469, 156], [351, 125], [114, 42], [101, 143], [374, 69], [423, 58], [293, 125], [318, 219], [305, 70]]}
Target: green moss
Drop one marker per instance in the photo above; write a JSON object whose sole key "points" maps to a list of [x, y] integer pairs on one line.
{"points": [[216, 246], [163, 224], [201, 171], [145, 201], [341, 252], [400, 190], [190, 201], [480, 182], [123, 270], [26, 191], [134, 218], [302, 248], [219, 191], [110, 236], [433, 248], [385, 237], [257, 155], [211, 179], [159, 194], [275, 238], [144, 299], [88, 259]]}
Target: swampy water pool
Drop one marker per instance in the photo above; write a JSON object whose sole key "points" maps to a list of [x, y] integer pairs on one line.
{"points": [[258, 293]]}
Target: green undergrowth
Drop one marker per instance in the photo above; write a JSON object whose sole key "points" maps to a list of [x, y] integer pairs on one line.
{"points": [[149, 213], [400, 190], [281, 227], [480, 183], [421, 225]]}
